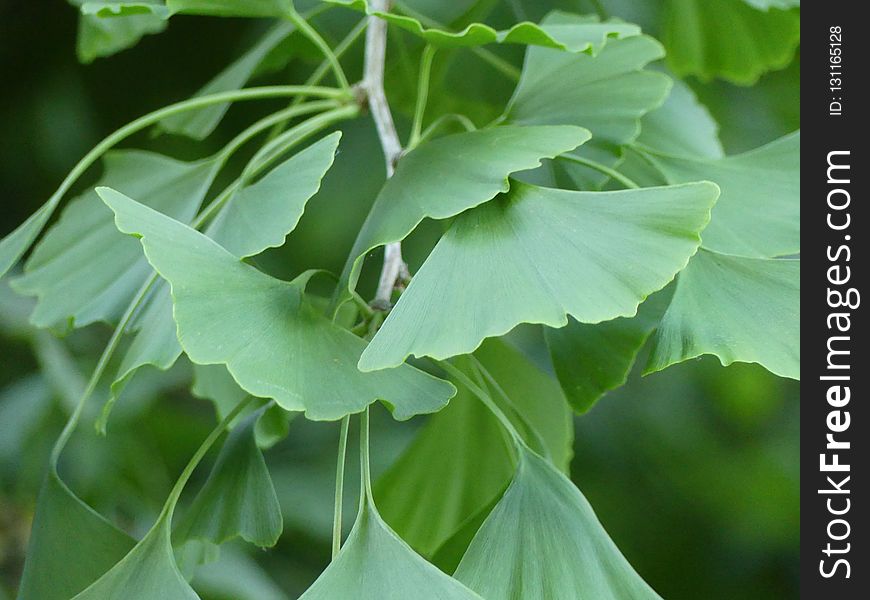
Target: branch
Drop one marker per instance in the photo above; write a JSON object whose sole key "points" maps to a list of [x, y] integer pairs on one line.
{"points": [[373, 82]]}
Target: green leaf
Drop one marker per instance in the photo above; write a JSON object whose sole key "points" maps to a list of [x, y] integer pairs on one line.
{"points": [[738, 309], [461, 460], [681, 126], [275, 344], [261, 215], [100, 35], [257, 217], [592, 359], [148, 572], [607, 93], [198, 124], [238, 498], [230, 8], [444, 177], [758, 213], [728, 39], [70, 545], [537, 255], [84, 270], [587, 36], [543, 540], [768, 4], [376, 563], [15, 244]]}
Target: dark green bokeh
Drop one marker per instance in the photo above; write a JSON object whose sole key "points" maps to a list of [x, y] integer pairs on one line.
{"points": [[693, 471]]}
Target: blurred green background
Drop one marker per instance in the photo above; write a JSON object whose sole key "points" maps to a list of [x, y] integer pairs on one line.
{"points": [[693, 471]]}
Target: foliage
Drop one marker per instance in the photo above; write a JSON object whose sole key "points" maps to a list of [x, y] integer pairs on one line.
{"points": [[553, 236]]}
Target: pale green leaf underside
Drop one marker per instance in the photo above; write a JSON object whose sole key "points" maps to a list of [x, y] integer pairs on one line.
{"points": [[444, 177], [238, 498], [72, 286], [587, 36], [728, 39], [274, 343], [376, 563], [768, 4], [200, 123], [100, 36], [758, 213], [257, 217], [681, 126], [148, 572], [261, 215], [124, 8], [738, 309], [543, 541], [70, 545], [607, 93], [537, 255], [16, 243]]}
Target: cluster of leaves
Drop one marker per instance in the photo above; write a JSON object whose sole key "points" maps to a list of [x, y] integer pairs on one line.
{"points": [[598, 206]]}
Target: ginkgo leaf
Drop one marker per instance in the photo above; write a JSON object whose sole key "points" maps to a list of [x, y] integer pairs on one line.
{"points": [[275, 344], [261, 215], [71, 286], [681, 126], [543, 540], [738, 309], [768, 4], [758, 213], [537, 255], [257, 217], [230, 8], [607, 93], [148, 572], [444, 177], [592, 359], [728, 39], [16, 243], [70, 545], [587, 37], [461, 460], [238, 498], [376, 563], [200, 123], [100, 35]]}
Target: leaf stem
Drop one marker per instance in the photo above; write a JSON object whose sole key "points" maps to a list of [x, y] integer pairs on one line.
{"points": [[175, 494], [308, 31], [464, 121], [613, 173], [339, 486], [365, 461], [422, 95]]}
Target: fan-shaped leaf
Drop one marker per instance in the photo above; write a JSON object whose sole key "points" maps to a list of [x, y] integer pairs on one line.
{"points": [[537, 255], [728, 39], [123, 8], [257, 217], [238, 498], [738, 309], [759, 211], [376, 563], [275, 344], [542, 541], [230, 8], [70, 284], [109, 27], [70, 545], [607, 93], [444, 177]]}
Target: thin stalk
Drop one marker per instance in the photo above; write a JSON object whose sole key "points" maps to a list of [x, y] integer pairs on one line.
{"points": [[365, 461], [464, 121], [483, 397], [339, 486], [308, 31], [422, 95], [175, 494], [597, 166]]}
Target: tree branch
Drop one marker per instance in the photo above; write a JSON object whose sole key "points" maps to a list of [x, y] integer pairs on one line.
{"points": [[373, 82]]}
